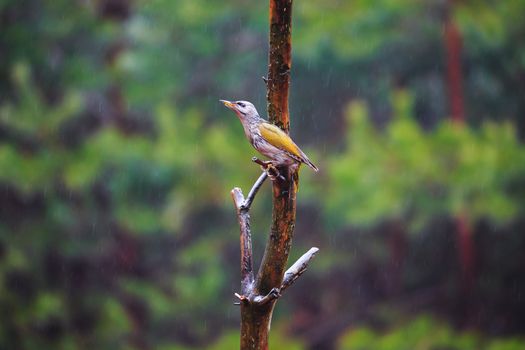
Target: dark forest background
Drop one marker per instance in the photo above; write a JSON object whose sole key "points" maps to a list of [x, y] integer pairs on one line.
{"points": [[117, 229]]}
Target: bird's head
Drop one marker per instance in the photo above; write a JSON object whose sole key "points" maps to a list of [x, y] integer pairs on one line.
{"points": [[243, 109]]}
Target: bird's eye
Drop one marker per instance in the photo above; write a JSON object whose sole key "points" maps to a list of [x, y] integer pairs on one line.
{"points": [[241, 104]]}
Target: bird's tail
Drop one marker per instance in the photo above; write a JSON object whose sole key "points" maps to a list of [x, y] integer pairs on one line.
{"points": [[310, 164]]}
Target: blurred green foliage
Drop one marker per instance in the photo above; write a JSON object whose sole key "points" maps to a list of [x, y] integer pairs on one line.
{"points": [[423, 333], [116, 162], [404, 172], [280, 341]]}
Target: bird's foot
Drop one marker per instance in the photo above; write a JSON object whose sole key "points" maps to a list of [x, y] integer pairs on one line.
{"points": [[273, 172], [269, 168]]}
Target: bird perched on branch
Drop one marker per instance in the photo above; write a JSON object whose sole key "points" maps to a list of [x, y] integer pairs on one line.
{"points": [[267, 138]]}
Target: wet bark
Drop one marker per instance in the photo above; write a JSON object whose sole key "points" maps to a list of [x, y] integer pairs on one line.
{"points": [[279, 62], [284, 207]]}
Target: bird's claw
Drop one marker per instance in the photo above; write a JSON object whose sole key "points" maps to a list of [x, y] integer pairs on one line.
{"points": [[270, 169], [273, 172]]}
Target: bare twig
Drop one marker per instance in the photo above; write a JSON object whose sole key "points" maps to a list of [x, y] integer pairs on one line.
{"points": [[243, 206], [298, 268], [251, 195], [243, 216], [238, 198], [262, 163], [290, 276], [242, 299]]}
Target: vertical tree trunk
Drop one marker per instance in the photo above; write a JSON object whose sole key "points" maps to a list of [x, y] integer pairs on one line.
{"points": [[453, 44], [279, 62], [259, 294], [256, 318], [283, 214]]}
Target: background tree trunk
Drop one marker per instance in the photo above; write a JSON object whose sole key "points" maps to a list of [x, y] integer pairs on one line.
{"points": [[465, 243]]}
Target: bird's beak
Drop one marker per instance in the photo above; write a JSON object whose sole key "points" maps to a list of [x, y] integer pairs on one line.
{"points": [[228, 104]]}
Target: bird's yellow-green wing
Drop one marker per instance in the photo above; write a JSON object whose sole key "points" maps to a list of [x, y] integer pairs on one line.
{"points": [[278, 138]]}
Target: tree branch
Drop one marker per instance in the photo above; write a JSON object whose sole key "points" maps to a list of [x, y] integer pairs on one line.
{"points": [[298, 268], [243, 216], [290, 276], [251, 195]]}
